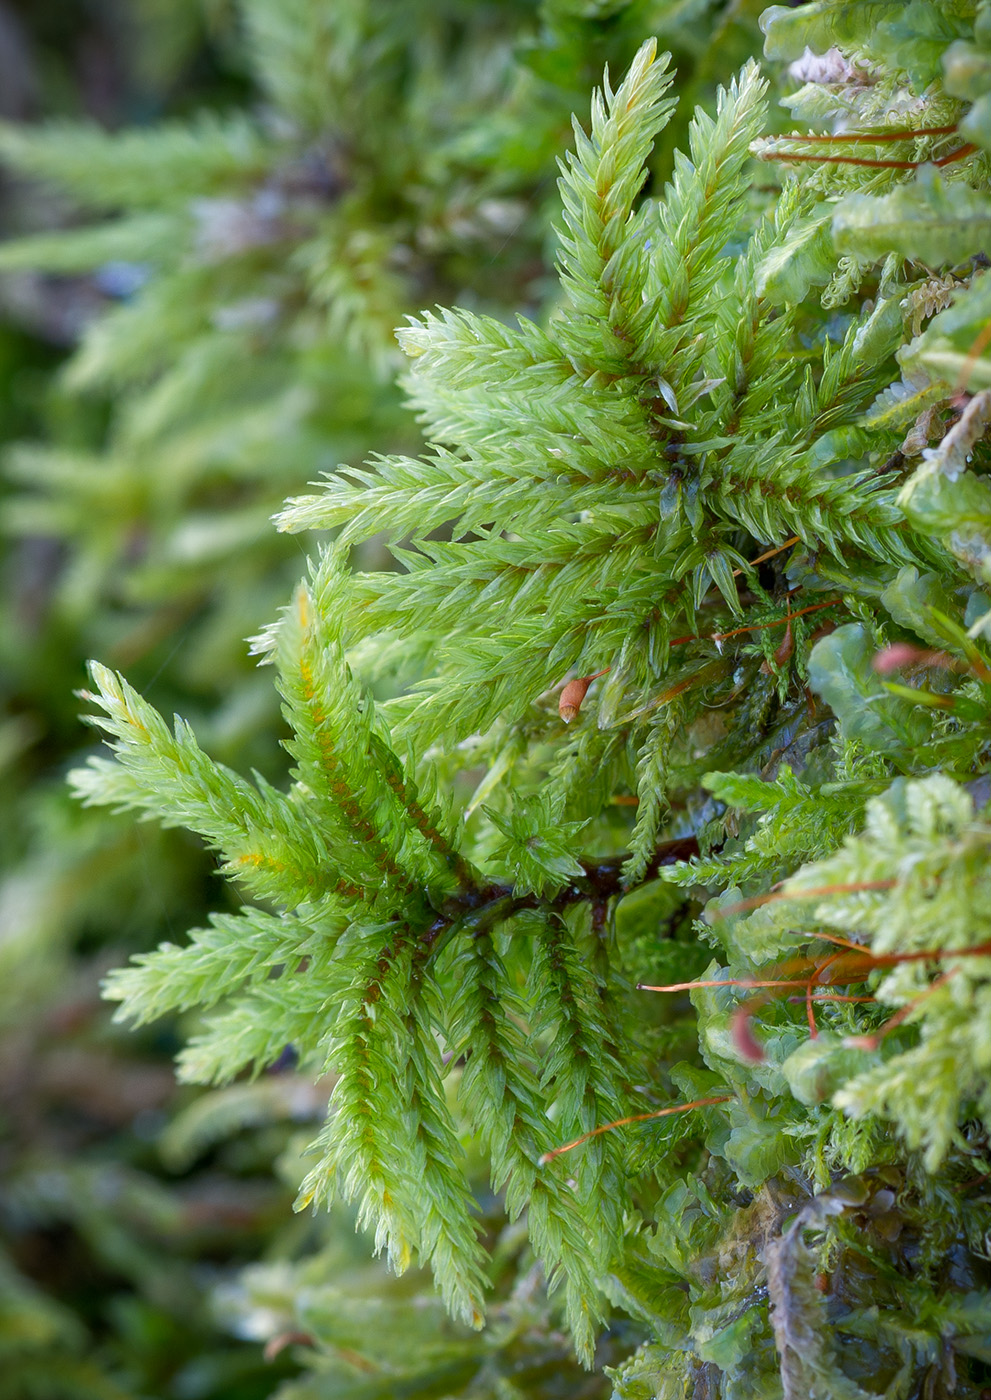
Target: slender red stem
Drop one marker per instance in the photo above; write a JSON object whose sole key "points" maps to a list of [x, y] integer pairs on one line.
{"points": [[777, 622], [871, 1042], [810, 1014], [768, 554], [798, 156], [980, 950], [723, 982], [757, 626], [840, 942], [973, 355], [633, 1118], [757, 900]]}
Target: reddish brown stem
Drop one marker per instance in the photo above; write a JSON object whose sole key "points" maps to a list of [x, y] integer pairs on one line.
{"points": [[768, 554], [871, 1042], [980, 950], [973, 355], [840, 942], [723, 982], [777, 622], [840, 968], [757, 900], [757, 626], [810, 1014], [799, 156], [633, 1118]]}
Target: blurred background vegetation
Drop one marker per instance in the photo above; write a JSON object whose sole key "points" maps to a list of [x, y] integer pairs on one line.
{"points": [[213, 213]]}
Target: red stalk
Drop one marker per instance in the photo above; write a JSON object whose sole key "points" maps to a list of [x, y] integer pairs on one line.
{"points": [[799, 156], [757, 626], [871, 1042], [757, 900], [633, 1118]]}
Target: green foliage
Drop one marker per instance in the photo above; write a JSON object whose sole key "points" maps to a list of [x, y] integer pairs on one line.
{"points": [[922, 838], [230, 372], [750, 533], [928, 222]]}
